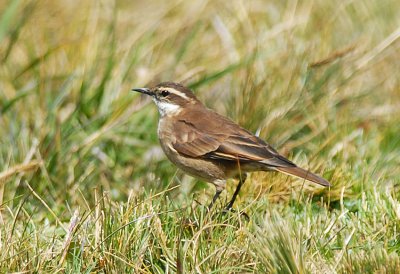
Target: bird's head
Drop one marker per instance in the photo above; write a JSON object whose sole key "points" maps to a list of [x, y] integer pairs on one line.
{"points": [[169, 97]]}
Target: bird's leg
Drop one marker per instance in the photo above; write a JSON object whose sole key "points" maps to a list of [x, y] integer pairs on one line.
{"points": [[242, 179], [217, 193], [219, 187]]}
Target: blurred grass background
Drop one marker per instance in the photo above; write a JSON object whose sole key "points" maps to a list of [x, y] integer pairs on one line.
{"points": [[84, 186]]}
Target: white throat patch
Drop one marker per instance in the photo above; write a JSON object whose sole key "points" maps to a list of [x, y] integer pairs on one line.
{"points": [[166, 108]]}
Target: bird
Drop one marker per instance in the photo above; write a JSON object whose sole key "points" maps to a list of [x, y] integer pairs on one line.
{"points": [[212, 147]]}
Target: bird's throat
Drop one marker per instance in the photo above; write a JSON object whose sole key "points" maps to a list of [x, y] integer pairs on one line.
{"points": [[167, 108]]}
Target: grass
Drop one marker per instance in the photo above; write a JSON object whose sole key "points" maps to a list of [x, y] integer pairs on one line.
{"points": [[84, 186]]}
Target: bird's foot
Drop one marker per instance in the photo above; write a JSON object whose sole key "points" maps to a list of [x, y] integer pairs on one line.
{"points": [[187, 223], [229, 209]]}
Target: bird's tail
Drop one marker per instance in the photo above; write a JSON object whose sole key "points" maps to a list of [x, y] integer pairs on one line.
{"points": [[304, 174]]}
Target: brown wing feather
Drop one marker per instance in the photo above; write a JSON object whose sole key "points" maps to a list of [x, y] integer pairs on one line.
{"points": [[196, 147], [204, 139]]}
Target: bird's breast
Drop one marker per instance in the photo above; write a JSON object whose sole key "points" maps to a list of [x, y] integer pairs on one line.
{"points": [[165, 135]]}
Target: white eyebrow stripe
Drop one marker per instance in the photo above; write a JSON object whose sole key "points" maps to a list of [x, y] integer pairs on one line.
{"points": [[177, 92]]}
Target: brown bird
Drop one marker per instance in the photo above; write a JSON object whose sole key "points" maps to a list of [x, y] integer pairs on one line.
{"points": [[210, 146]]}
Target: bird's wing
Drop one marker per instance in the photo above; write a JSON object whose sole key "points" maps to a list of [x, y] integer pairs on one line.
{"points": [[205, 139], [249, 148]]}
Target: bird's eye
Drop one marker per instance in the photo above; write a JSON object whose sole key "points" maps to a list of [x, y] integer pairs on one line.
{"points": [[164, 93]]}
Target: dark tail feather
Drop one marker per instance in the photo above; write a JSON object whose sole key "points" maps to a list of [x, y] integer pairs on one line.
{"points": [[302, 173]]}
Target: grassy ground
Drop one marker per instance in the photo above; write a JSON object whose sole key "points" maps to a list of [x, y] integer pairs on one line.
{"points": [[85, 188]]}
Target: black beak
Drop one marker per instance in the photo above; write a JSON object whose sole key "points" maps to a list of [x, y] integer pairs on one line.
{"points": [[143, 90]]}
